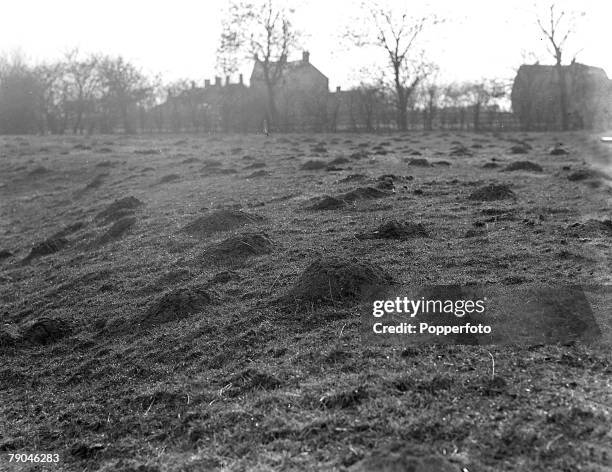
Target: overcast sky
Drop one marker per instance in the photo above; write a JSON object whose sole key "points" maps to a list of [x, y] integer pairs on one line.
{"points": [[178, 38]]}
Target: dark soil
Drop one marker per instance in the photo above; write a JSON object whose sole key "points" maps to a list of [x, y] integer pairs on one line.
{"points": [[334, 279], [45, 331], [396, 230], [176, 305], [168, 353], [587, 174], [523, 165], [519, 149], [117, 230], [240, 247], [460, 151], [558, 151], [418, 162], [314, 165], [119, 208], [492, 192], [327, 203], [220, 220], [592, 228], [46, 247]]}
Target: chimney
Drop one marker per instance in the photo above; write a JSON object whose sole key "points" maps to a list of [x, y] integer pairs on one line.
{"points": [[338, 88], [218, 81], [193, 84], [227, 80], [207, 83], [240, 79], [305, 57]]}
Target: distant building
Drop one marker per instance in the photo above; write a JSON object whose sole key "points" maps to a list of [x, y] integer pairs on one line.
{"points": [[536, 97], [301, 93]]}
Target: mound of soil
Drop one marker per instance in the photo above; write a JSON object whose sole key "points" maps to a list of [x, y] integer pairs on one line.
{"points": [[353, 178], [441, 163], [558, 150], [220, 220], [147, 152], [363, 193], [256, 165], [46, 247], [396, 230], [119, 208], [224, 277], [490, 165], [359, 155], [117, 230], [385, 184], [96, 182], [475, 233], [519, 149], [393, 177], [419, 162], [9, 336], [106, 163], [460, 150], [333, 279], [523, 165], [40, 170], [5, 254], [176, 305], [327, 203], [338, 161], [169, 178], [219, 171], [313, 165], [211, 164], [592, 228], [70, 229], [403, 461], [492, 192], [45, 331], [414, 152], [251, 379], [258, 173], [240, 247], [587, 174], [344, 399]]}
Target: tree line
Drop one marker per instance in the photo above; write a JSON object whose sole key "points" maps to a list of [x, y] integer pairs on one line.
{"points": [[97, 93]]}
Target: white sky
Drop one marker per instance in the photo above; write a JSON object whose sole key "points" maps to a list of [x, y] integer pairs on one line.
{"points": [[178, 38]]}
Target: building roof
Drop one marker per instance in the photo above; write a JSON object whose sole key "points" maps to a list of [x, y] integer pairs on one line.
{"points": [[575, 66], [290, 68]]}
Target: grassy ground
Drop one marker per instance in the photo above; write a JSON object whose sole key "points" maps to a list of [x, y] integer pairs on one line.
{"points": [[138, 340]]}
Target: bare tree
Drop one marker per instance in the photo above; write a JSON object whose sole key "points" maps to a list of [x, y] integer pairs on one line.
{"points": [[262, 31], [557, 28], [82, 82], [50, 79], [19, 93], [480, 94], [397, 32], [123, 87]]}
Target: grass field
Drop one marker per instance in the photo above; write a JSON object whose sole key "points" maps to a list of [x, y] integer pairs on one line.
{"points": [[144, 317]]}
